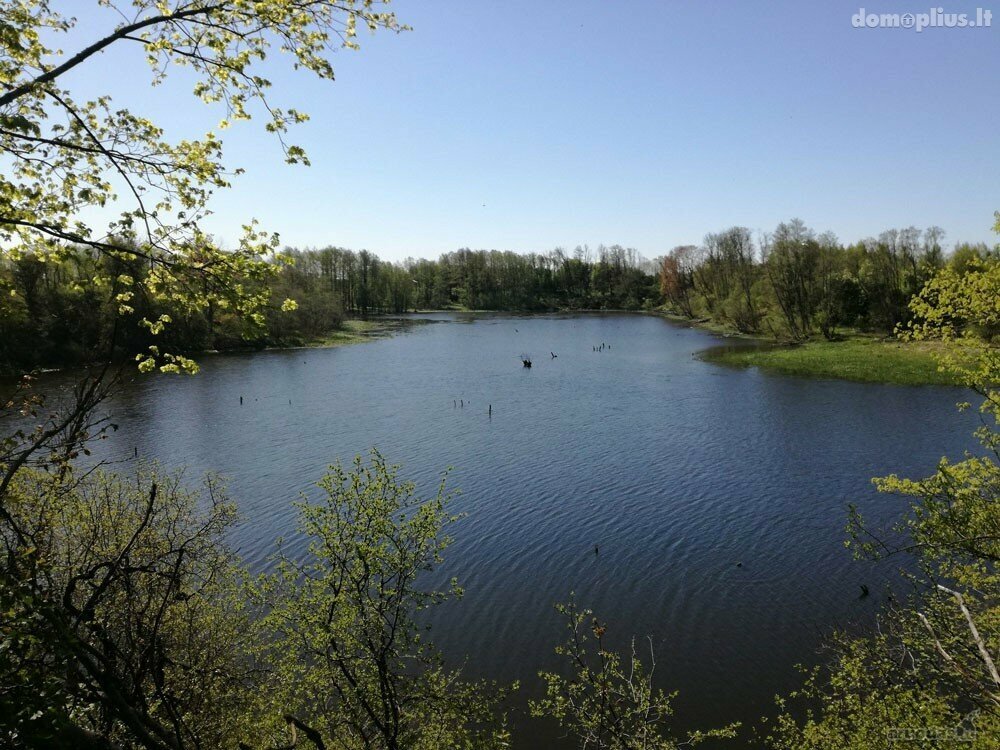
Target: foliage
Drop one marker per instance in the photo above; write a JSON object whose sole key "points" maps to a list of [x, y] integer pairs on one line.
{"points": [[869, 699], [963, 308], [792, 286], [352, 660], [933, 662], [795, 283], [677, 279], [67, 158], [126, 621], [607, 704], [59, 316], [124, 617], [612, 278]]}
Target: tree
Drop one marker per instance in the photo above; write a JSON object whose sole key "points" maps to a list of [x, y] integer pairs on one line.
{"points": [[124, 623], [128, 623], [67, 156], [677, 278], [103, 613], [351, 661], [607, 704], [931, 673], [726, 277], [964, 256], [792, 267]]}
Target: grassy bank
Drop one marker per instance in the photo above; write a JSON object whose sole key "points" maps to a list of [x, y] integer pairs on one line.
{"points": [[858, 358], [358, 331]]}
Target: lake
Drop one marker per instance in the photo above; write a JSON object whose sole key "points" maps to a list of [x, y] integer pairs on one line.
{"points": [[675, 469]]}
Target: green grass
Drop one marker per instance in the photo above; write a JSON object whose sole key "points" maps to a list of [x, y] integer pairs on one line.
{"points": [[857, 358], [359, 331]]}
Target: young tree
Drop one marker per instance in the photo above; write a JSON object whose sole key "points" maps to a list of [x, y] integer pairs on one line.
{"points": [[726, 277], [608, 704], [350, 656]]}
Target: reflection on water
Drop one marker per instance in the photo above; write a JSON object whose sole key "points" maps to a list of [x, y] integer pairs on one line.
{"points": [[676, 468]]}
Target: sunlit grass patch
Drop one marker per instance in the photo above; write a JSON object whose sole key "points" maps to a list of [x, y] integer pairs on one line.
{"points": [[859, 358]]}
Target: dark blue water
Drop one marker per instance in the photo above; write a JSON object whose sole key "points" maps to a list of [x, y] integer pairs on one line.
{"points": [[676, 469]]}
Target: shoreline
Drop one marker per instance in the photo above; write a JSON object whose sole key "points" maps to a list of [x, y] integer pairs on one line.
{"points": [[856, 357], [353, 331], [357, 331]]}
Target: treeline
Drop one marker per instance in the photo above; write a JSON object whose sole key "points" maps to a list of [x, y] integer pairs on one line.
{"points": [[791, 283], [69, 311], [606, 278], [794, 283], [65, 312]]}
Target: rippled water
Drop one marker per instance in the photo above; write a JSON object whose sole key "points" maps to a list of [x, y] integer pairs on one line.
{"points": [[676, 469]]}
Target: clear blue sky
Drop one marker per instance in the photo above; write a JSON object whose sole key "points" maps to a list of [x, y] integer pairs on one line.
{"points": [[527, 125]]}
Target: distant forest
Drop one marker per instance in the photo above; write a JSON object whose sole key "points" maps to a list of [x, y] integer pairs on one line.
{"points": [[789, 284]]}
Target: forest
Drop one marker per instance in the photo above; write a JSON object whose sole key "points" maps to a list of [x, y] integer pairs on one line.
{"points": [[788, 284]]}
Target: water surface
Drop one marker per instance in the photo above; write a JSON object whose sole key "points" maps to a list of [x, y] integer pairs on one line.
{"points": [[674, 469]]}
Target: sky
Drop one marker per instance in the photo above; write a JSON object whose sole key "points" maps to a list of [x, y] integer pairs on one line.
{"points": [[527, 125]]}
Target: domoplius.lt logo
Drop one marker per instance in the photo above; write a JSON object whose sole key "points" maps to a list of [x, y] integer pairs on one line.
{"points": [[934, 18]]}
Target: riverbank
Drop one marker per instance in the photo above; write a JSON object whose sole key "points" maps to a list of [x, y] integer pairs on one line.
{"points": [[352, 331], [357, 331], [859, 358]]}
